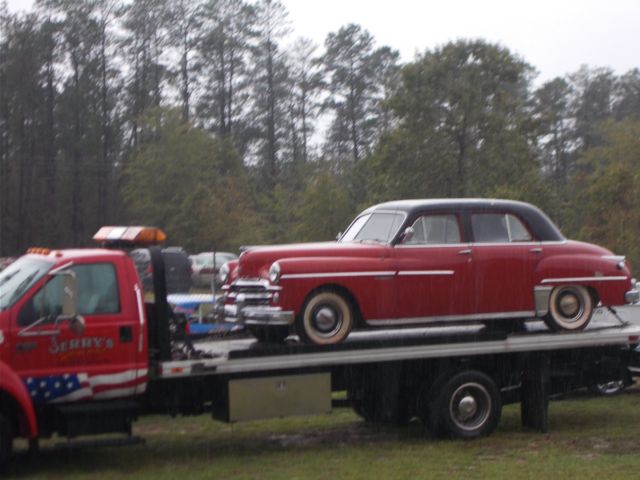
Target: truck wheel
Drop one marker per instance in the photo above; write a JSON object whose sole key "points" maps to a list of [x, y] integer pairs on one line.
{"points": [[326, 318], [6, 441], [570, 308], [274, 334], [467, 405]]}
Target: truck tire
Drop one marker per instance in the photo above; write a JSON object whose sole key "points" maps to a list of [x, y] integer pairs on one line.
{"points": [[466, 405], [326, 318], [6, 441], [570, 308]]}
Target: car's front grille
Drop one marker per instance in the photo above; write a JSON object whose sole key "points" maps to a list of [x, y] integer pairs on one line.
{"points": [[250, 292]]}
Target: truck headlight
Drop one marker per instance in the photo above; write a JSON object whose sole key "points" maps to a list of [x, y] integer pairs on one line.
{"points": [[223, 273], [274, 272]]}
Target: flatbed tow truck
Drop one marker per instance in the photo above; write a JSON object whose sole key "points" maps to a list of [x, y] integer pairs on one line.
{"points": [[74, 361]]}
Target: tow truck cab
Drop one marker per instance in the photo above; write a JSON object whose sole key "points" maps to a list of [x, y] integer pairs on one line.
{"points": [[74, 340]]}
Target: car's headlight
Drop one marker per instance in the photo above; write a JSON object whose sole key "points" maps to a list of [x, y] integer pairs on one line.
{"points": [[274, 272], [223, 273]]}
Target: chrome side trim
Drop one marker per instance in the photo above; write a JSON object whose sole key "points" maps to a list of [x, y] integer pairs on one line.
{"points": [[583, 279], [615, 258], [140, 303], [38, 333], [410, 273], [450, 318], [541, 297], [338, 274], [433, 245]]}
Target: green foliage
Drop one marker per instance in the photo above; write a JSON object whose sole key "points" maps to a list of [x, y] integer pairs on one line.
{"points": [[325, 209], [188, 183], [610, 196], [463, 125]]}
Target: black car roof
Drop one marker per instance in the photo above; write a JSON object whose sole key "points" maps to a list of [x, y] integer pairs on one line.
{"points": [[543, 228]]}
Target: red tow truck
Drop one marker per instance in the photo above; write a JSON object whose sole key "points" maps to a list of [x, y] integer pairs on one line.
{"points": [[83, 353]]}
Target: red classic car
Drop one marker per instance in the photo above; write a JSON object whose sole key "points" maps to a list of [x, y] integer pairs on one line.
{"points": [[417, 262]]}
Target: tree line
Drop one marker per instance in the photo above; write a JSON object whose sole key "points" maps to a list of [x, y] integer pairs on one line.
{"points": [[207, 118]]}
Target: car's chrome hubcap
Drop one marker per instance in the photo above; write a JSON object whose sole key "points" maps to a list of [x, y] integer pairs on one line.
{"points": [[326, 319], [569, 305]]}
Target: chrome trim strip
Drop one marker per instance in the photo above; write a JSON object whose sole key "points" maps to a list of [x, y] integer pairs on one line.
{"points": [[615, 258], [451, 318], [506, 244], [433, 245], [289, 276], [409, 273], [38, 333], [582, 279], [138, 293]]}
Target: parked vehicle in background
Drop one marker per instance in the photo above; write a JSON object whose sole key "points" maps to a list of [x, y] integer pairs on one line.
{"points": [[177, 268], [419, 262], [204, 269]]}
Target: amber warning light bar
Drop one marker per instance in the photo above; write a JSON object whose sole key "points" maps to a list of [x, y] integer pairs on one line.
{"points": [[129, 236]]}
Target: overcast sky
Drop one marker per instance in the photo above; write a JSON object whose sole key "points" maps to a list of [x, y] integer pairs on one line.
{"points": [[555, 36]]}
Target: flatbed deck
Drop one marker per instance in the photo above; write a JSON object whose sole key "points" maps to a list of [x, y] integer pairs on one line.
{"points": [[247, 355]]}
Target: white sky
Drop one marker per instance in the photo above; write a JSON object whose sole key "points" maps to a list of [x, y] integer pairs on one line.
{"points": [[555, 36]]}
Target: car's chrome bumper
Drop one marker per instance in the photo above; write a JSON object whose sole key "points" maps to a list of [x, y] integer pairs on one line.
{"points": [[632, 296], [256, 315]]}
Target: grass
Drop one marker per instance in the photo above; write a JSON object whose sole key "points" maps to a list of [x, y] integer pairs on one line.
{"points": [[588, 438]]}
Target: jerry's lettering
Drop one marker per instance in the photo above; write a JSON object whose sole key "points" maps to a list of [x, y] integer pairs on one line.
{"points": [[76, 344]]}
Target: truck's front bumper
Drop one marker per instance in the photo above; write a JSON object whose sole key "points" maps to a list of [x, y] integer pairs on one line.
{"points": [[257, 315]]}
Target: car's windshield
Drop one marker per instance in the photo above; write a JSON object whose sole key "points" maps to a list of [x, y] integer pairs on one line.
{"points": [[18, 277], [376, 226]]}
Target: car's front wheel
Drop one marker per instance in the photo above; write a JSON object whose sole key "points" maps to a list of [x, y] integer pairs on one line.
{"points": [[570, 308], [326, 318]]}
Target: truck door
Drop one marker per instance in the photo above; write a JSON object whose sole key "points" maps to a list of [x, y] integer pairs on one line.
{"points": [[93, 357]]}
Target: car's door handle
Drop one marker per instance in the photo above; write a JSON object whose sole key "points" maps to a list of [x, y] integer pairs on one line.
{"points": [[536, 250], [466, 251]]}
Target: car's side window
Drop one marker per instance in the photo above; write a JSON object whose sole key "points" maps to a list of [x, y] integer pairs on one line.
{"points": [[434, 230], [498, 228], [97, 294]]}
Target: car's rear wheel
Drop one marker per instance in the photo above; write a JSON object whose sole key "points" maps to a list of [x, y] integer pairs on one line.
{"points": [[326, 319], [570, 308]]}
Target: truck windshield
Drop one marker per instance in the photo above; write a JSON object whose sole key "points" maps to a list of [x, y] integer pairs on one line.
{"points": [[18, 277], [378, 227]]}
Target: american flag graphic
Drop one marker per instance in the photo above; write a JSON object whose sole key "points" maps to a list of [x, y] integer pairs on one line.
{"points": [[83, 386]]}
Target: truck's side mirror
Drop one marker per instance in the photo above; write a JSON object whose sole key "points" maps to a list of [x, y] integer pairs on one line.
{"points": [[338, 236], [69, 292], [69, 305]]}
